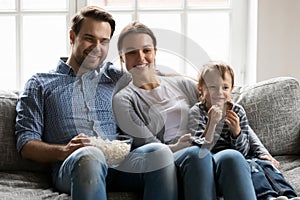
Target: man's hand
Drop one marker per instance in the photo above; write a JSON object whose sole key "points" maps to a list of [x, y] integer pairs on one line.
{"points": [[75, 143], [233, 121]]}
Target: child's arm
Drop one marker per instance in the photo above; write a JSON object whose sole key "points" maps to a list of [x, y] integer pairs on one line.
{"points": [[214, 116], [237, 121], [259, 150], [196, 121]]}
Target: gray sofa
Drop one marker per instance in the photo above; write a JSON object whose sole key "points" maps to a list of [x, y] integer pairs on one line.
{"points": [[273, 108]]}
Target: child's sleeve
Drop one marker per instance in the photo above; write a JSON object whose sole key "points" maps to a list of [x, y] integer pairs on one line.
{"points": [[196, 121], [256, 146]]}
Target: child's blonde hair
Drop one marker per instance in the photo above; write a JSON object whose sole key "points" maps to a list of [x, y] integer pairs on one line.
{"points": [[221, 67]]}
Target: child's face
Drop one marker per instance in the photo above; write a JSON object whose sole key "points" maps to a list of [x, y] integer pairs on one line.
{"points": [[216, 91]]}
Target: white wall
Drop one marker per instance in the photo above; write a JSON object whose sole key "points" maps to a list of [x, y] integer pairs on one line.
{"points": [[278, 39]]}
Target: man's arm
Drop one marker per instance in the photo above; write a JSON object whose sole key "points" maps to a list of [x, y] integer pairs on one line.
{"points": [[43, 152]]}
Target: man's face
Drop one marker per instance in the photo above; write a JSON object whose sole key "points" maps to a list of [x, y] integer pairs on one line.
{"points": [[90, 45]]}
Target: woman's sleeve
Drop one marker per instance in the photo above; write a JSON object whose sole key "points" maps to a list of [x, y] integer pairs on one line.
{"points": [[132, 119]]}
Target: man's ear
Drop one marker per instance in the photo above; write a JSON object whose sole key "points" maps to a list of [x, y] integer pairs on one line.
{"points": [[72, 37]]}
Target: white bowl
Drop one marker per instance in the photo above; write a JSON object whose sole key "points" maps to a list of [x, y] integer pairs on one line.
{"points": [[114, 147]]}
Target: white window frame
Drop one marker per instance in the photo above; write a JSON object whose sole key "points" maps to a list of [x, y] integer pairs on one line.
{"points": [[242, 54], [19, 33], [238, 41]]}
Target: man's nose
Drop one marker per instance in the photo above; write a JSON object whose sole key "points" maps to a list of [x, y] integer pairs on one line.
{"points": [[97, 45]]}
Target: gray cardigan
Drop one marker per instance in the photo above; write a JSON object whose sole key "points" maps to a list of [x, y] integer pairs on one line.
{"points": [[136, 116]]}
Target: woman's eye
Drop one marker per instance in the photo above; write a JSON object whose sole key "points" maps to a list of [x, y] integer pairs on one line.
{"points": [[147, 50], [130, 52]]}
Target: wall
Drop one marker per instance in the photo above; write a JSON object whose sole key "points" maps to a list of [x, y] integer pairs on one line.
{"points": [[278, 39]]}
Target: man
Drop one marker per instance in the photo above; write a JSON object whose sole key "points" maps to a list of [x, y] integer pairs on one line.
{"points": [[59, 111]]}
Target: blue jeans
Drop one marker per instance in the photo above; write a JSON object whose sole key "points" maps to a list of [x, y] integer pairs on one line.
{"points": [[233, 176], [195, 173], [85, 174], [204, 175], [268, 181]]}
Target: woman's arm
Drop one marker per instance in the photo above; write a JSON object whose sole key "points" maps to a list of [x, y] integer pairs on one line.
{"points": [[136, 118]]}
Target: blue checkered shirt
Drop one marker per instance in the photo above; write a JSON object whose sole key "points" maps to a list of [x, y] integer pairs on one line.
{"points": [[57, 106]]}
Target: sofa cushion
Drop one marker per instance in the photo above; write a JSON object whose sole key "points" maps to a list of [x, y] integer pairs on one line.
{"points": [[9, 157], [273, 110]]}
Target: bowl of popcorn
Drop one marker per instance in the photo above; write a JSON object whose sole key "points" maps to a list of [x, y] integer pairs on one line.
{"points": [[114, 147]]}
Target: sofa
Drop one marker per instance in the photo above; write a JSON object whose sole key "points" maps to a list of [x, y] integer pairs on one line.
{"points": [[273, 110]]}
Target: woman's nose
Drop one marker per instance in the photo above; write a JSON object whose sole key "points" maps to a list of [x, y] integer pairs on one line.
{"points": [[140, 55]]}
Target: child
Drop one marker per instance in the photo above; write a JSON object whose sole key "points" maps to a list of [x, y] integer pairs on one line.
{"points": [[224, 125]]}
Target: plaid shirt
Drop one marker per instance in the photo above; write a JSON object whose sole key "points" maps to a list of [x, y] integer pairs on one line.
{"points": [[57, 106], [247, 142]]}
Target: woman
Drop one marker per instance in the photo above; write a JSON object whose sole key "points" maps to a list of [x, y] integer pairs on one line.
{"points": [[153, 108]]}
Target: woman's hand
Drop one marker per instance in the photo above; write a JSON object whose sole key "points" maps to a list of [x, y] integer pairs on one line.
{"points": [[183, 142]]}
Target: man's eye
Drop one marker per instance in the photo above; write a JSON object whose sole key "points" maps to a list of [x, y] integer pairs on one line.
{"points": [[105, 41], [89, 39]]}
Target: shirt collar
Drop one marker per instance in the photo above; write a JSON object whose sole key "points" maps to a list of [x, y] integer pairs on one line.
{"points": [[64, 68], [106, 71]]}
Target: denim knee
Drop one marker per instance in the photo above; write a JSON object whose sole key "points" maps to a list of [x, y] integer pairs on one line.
{"points": [[85, 165], [147, 158], [231, 159]]}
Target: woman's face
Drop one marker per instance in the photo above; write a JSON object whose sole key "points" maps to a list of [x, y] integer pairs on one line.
{"points": [[216, 91], [138, 53]]}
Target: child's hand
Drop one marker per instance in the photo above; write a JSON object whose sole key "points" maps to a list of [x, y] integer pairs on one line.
{"points": [[270, 158], [215, 114], [233, 121]]}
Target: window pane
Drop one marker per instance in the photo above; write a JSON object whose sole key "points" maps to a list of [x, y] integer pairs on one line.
{"points": [[157, 20], [160, 4], [8, 53], [121, 21], [7, 5], [192, 3], [112, 4], [43, 46], [212, 35], [169, 52], [44, 5]]}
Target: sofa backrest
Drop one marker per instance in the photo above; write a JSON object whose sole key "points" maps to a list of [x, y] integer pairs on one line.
{"points": [[273, 111], [272, 106], [9, 157]]}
